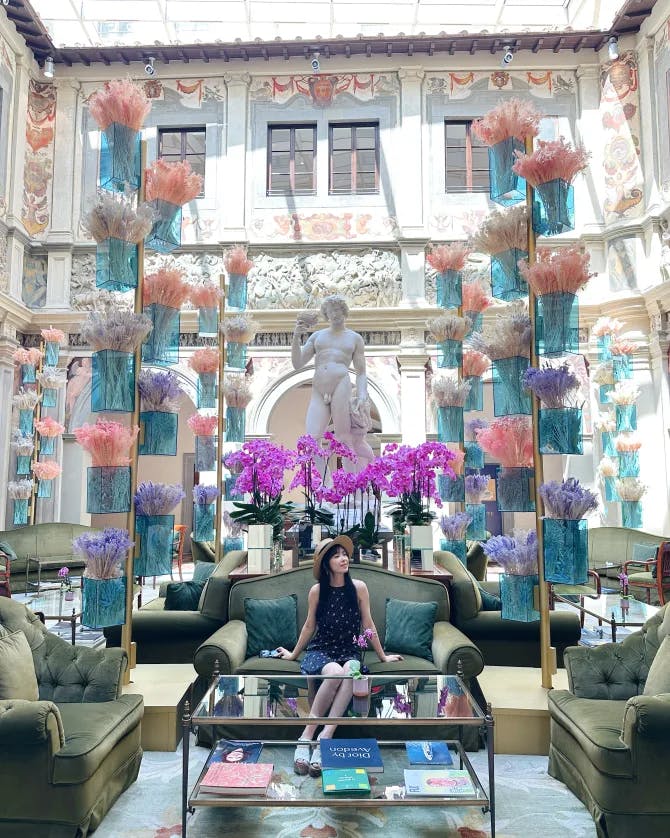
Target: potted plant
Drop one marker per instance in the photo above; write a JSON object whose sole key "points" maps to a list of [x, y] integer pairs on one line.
{"points": [[517, 555], [310, 461], [104, 585]]}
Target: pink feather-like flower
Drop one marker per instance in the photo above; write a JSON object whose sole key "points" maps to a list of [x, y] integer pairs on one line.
{"points": [[202, 425], [107, 442], [204, 360], [46, 469], [551, 160], [175, 183], [49, 427], [512, 118], [119, 101], [166, 287], [566, 270], [509, 440], [448, 257], [475, 363]]}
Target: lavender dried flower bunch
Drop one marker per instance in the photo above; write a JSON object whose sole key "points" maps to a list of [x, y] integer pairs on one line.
{"points": [[507, 336], [22, 443], [448, 392], [20, 489], [555, 387], [454, 526], [567, 500], [157, 498], [476, 487], [517, 555], [122, 331], [104, 553], [231, 525], [159, 390], [115, 217], [204, 495], [471, 428]]}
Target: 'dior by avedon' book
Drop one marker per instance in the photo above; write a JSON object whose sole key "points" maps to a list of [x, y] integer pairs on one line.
{"points": [[351, 753]]}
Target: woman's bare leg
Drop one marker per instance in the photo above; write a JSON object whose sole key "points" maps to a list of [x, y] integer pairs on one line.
{"points": [[325, 696], [340, 702]]}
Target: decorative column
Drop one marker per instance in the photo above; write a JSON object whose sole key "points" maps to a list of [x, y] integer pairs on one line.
{"points": [[655, 500], [232, 183], [408, 170], [412, 361], [588, 126], [17, 239], [413, 271], [7, 346]]}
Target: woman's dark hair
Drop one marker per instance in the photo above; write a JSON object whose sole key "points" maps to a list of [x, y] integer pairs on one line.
{"points": [[325, 590]]}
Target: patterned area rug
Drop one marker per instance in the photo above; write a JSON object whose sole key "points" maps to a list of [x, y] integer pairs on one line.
{"points": [[529, 802]]}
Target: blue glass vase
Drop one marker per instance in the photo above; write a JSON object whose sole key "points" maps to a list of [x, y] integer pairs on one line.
{"points": [[49, 397], [113, 382], [450, 423], [515, 489], [20, 512], [107, 489], [205, 453], [474, 456], [449, 285], [208, 322], [629, 463], [203, 521], [44, 488], [566, 551], [517, 596], [608, 444], [553, 208], [455, 547], [611, 493], [28, 374], [475, 320], [162, 343], [116, 265], [556, 324], [47, 446], [22, 464], [476, 530], [560, 430], [165, 234], [451, 489], [631, 514], [236, 355], [158, 433], [604, 342], [26, 421], [236, 293], [475, 399], [103, 602], [51, 353], [206, 393], [235, 424], [153, 555], [506, 280], [119, 158], [626, 417], [622, 367], [509, 396], [604, 393], [505, 186], [229, 492], [231, 543]]}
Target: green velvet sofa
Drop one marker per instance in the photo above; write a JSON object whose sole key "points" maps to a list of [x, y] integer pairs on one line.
{"points": [[173, 636], [502, 642], [609, 743], [51, 542], [614, 545], [65, 758], [202, 551]]}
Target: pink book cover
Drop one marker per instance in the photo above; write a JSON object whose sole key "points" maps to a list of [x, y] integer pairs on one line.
{"points": [[249, 776]]}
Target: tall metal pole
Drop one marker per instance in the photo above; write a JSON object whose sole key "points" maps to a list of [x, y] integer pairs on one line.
{"points": [[547, 651], [221, 424], [127, 628]]}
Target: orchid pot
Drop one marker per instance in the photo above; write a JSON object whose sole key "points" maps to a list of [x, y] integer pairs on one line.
{"points": [[505, 186], [566, 559], [116, 265], [553, 208], [421, 546], [158, 433], [259, 547]]}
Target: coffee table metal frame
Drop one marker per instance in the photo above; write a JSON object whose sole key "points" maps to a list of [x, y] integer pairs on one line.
{"points": [[58, 594], [204, 714], [600, 607]]}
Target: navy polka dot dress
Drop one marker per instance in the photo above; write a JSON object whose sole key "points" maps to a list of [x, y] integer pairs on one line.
{"points": [[334, 638]]}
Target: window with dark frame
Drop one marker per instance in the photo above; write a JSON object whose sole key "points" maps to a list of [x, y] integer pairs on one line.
{"points": [[467, 159], [291, 159], [353, 158], [176, 144]]}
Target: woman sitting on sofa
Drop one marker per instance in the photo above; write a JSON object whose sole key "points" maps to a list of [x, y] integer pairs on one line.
{"points": [[338, 608]]}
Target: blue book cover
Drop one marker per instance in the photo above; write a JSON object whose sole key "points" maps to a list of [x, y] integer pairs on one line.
{"points": [[351, 753], [236, 751], [428, 753]]}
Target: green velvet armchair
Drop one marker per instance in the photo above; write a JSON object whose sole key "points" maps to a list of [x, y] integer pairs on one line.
{"points": [[609, 742], [65, 758]]}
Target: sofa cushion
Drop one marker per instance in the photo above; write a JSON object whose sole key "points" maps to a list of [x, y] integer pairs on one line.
{"points": [[7, 550], [183, 596], [271, 623], [490, 602], [202, 571], [214, 599], [409, 627], [658, 680], [17, 668]]}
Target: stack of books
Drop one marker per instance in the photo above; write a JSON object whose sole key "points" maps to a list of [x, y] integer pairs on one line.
{"points": [[233, 769], [435, 782]]}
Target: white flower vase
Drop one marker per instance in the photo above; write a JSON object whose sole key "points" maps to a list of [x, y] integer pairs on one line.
{"points": [[421, 546], [259, 548]]}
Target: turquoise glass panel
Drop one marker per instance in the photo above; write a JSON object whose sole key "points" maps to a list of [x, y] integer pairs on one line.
{"points": [[631, 514], [566, 551], [49, 397], [517, 595], [23, 464], [236, 293], [474, 456], [28, 374], [560, 430], [451, 489], [165, 234], [476, 530], [206, 392], [51, 353], [608, 444], [20, 512], [236, 355], [626, 417], [47, 446], [515, 489], [556, 324], [611, 493], [158, 433], [44, 488], [629, 463], [506, 280], [203, 521], [162, 343], [553, 208], [26, 420], [119, 158], [475, 399], [509, 396], [153, 555], [622, 367], [475, 321], [116, 265], [604, 342], [103, 602], [208, 322], [113, 382], [229, 489], [450, 424], [455, 547], [231, 543], [505, 186], [205, 453], [108, 489], [235, 424], [449, 285]]}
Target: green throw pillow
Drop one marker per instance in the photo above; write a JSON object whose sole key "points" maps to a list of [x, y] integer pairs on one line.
{"points": [[642, 553], [271, 623], [490, 602], [203, 570], [17, 668], [7, 550], [409, 628], [183, 596], [658, 679]]}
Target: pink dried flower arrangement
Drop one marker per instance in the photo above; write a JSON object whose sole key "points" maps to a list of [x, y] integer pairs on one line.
{"points": [[46, 469], [620, 346], [551, 160], [566, 271], [174, 183], [513, 118], [236, 261], [475, 297], [121, 101], [204, 360], [202, 425], [509, 440], [49, 427], [448, 257], [27, 357], [628, 442], [107, 442], [166, 287], [606, 326], [52, 335], [239, 328], [206, 295], [475, 363]]}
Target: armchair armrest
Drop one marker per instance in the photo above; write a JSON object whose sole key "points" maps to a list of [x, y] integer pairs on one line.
{"points": [[450, 645], [228, 645], [596, 581], [646, 728], [639, 563], [30, 723]]}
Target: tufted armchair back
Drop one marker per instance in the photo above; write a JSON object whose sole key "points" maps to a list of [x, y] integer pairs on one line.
{"points": [[617, 671], [65, 674]]}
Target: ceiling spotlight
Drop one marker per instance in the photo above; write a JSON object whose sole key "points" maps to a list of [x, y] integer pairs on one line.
{"points": [[316, 65], [48, 69], [508, 56], [613, 48], [149, 68]]}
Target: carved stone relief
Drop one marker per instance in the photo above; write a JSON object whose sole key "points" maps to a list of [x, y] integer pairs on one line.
{"points": [[4, 268]]}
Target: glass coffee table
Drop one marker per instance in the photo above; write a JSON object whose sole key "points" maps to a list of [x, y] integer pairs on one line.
{"points": [[614, 610], [395, 704], [54, 604]]}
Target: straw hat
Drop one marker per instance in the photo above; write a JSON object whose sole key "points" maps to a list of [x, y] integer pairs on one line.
{"points": [[323, 546]]}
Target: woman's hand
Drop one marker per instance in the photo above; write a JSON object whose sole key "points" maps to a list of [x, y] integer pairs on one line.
{"points": [[285, 654], [391, 658]]}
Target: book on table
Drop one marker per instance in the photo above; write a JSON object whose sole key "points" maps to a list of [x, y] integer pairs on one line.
{"points": [[235, 751], [351, 753], [237, 778], [442, 782], [428, 753], [345, 781]]}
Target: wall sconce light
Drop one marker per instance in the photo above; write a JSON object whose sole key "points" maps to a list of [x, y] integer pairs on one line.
{"points": [[48, 67], [613, 48]]}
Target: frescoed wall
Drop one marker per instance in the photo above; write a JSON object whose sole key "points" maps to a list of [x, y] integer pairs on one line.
{"points": [[39, 157]]}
